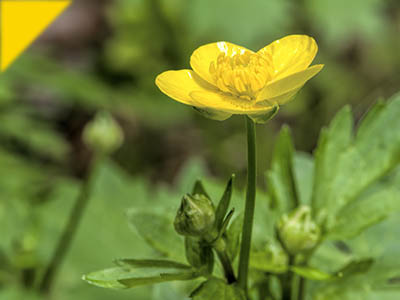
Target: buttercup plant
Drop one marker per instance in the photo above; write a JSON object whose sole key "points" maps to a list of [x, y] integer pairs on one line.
{"points": [[229, 79], [311, 202]]}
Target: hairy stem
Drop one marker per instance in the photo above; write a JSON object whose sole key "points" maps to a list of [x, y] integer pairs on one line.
{"points": [[250, 204], [69, 232]]}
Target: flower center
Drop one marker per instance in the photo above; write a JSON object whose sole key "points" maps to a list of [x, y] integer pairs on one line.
{"points": [[241, 74]]}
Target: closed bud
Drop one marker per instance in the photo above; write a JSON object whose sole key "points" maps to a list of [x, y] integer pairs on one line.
{"points": [[271, 258], [297, 231], [195, 217], [103, 134]]}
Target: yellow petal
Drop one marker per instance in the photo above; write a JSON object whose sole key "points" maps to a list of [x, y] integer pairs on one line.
{"points": [[203, 56], [285, 85], [291, 54], [224, 102], [179, 84]]}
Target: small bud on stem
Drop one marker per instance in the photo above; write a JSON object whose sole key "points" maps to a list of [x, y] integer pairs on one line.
{"points": [[103, 134], [195, 217], [297, 231]]}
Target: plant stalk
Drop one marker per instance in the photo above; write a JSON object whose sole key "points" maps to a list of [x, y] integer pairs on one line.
{"points": [[219, 245], [70, 230], [227, 266], [250, 205], [302, 289]]}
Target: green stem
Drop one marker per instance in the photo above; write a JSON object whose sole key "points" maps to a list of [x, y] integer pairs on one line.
{"points": [[219, 245], [287, 281], [227, 266], [302, 284], [250, 204], [302, 289], [69, 232]]}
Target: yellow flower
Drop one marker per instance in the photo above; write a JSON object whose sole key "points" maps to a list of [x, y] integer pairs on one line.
{"points": [[228, 79]]}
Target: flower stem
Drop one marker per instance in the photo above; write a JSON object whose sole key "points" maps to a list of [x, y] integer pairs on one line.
{"points": [[302, 288], [250, 204], [227, 266], [69, 232]]}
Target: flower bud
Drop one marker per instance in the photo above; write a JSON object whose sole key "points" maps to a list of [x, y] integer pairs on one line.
{"points": [[271, 258], [103, 134], [195, 217], [297, 231]]}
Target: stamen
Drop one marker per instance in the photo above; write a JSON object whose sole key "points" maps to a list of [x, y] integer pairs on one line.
{"points": [[242, 74]]}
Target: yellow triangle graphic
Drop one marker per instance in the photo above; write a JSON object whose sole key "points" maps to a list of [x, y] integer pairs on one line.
{"points": [[21, 22]]}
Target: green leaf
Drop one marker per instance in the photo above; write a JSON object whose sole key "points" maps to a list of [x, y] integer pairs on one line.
{"points": [[369, 118], [311, 273], [355, 267], [150, 263], [371, 157], [303, 167], [217, 289], [232, 236], [281, 180], [371, 207], [198, 188], [330, 255], [362, 279], [157, 230], [223, 204], [132, 276], [226, 222], [332, 142]]}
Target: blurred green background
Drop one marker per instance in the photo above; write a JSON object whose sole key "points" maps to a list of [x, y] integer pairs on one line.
{"points": [[105, 55]]}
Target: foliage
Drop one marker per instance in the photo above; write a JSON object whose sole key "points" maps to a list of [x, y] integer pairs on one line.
{"points": [[342, 264]]}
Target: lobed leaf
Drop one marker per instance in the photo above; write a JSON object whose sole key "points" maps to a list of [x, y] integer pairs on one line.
{"points": [[281, 182], [303, 169], [332, 142], [371, 207], [157, 230], [346, 168]]}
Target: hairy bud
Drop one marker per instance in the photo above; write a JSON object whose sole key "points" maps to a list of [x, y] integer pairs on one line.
{"points": [[195, 217], [297, 231]]}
